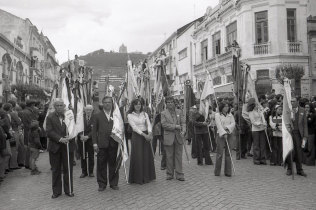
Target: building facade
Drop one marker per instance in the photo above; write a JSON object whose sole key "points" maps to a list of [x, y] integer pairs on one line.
{"points": [[269, 33], [25, 55]]}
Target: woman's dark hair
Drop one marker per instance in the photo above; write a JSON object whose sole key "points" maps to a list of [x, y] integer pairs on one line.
{"points": [[13, 103], [222, 105], [251, 107], [132, 106], [22, 105], [311, 107], [7, 107]]}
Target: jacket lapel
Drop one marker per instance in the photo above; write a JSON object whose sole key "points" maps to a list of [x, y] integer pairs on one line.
{"points": [[169, 116]]}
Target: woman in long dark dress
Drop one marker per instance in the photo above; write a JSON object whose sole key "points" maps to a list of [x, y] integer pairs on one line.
{"points": [[142, 168]]}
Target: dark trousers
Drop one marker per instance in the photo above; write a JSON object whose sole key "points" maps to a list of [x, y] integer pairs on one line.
{"points": [[44, 142], [221, 144], [259, 146], [88, 156], [249, 142], [241, 147], [107, 158], [27, 157], [59, 162], [203, 148], [213, 138], [277, 147], [159, 140], [128, 135], [297, 152], [193, 145]]}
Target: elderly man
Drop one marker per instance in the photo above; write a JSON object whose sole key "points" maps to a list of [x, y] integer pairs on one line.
{"points": [[57, 147], [173, 123], [85, 138]]}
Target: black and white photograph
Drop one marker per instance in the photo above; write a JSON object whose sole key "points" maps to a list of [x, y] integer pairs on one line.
{"points": [[170, 104]]}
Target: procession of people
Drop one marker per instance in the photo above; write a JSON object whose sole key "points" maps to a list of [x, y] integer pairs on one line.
{"points": [[115, 132]]}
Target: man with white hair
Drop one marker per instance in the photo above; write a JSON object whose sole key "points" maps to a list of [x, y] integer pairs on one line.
{"points": [[58, 139], [85, 138]]}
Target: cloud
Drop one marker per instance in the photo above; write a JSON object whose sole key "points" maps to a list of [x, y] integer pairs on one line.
{"points": [[82, 26]]}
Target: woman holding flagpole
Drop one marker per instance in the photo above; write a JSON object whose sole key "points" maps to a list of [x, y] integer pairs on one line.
{"points": [[225, 123], [258, 126], [142, 167]]}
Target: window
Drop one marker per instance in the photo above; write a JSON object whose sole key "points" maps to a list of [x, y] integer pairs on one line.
{"points": [[204, 50], [217, 43], [262, 27], [263, 74], [291, 25], [231, 31], [183, 54], [229, 78], [217, 81]]}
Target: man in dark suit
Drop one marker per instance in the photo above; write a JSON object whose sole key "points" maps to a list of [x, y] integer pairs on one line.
{"points": [[86, 138], [105, 146], [173, 123], [28, 116], [299, 132], [57, 147]]}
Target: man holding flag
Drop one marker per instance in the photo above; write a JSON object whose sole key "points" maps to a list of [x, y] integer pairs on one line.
{"points": [[295, 129], [105, 146]]}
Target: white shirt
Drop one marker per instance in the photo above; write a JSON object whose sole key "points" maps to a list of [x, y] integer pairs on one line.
{"points": [[139, 122], [107, 114]]}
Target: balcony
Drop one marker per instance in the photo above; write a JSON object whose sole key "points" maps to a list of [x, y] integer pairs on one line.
{"points": [[212, 62], [262, 49], [294, 47]]}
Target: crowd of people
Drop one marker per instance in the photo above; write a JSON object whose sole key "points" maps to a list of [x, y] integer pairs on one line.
{"points": [[256, 135], [22, 136]]}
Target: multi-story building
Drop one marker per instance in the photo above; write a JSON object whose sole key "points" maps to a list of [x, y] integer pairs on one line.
{"points": [[169, 46], [184, 57], [269, 33], [123, 49], [26, 54]]}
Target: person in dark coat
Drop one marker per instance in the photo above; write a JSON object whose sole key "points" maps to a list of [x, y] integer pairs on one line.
{"points": [[299, 131], [243, 129], [202, 139], [105, 146], [86, 138], [309, 149], [58, 139], [27, 117]]}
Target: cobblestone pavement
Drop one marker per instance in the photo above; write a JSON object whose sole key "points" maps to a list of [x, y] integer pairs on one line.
{"points": [[253, 187]]}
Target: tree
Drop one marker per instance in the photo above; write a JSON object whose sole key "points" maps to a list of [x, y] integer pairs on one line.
{"points": [[292, 72]]}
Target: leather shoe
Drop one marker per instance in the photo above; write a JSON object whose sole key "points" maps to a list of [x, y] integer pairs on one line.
{"points": [[101, 189], [169, 178], [55, 196], [114, 187], [302, 173], [91, 175], [228, 175], [83, 175], [288, 172], [70, 194], [181, 179]]}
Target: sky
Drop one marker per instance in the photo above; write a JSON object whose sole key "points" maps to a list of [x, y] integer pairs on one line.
{"points": [[83, 26]]}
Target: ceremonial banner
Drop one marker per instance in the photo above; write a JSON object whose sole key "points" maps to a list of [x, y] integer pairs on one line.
{"points": [[51, 108], [205, 96], [287, 139], [70, 124], [118, 135], [79, 114], [132, 89]]}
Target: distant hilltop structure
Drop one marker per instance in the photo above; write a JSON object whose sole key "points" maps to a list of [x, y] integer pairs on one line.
{"points": [[123, 49]]}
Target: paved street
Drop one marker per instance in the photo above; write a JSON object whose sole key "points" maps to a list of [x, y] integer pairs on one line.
{"points": [[253, 187]]}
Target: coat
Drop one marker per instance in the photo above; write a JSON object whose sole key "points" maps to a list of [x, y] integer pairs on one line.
{"points": [[55, 131], [102, 130], [169, 124]]}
